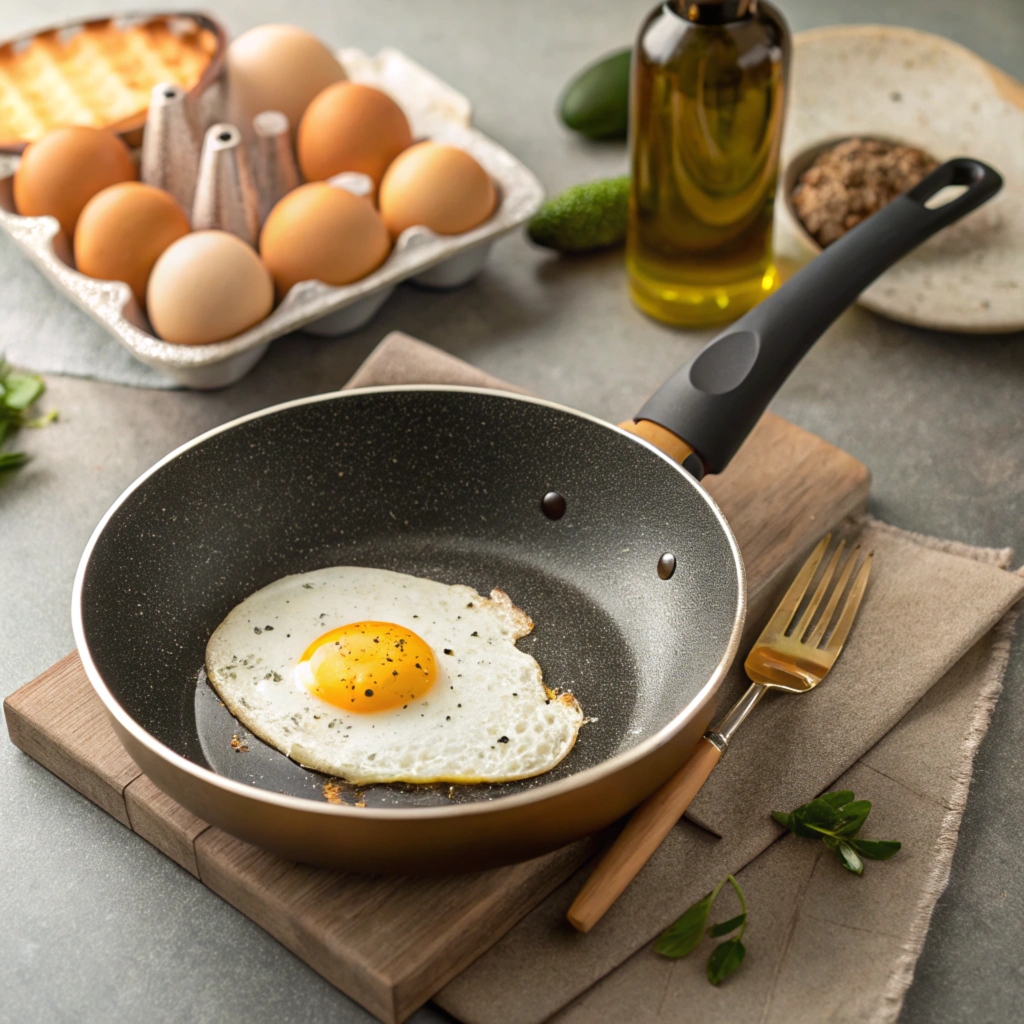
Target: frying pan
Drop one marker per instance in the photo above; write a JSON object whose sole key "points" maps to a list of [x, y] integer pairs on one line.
{"points": [[601, 533]]}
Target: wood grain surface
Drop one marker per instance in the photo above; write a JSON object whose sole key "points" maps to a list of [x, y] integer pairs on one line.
{"points": [[391, 943]]}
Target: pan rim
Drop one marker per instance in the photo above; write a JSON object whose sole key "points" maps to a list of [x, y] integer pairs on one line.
{"points": [[540, 793]]}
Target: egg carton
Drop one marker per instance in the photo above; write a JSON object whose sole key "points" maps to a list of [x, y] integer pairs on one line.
{"points": [[435, 111]]}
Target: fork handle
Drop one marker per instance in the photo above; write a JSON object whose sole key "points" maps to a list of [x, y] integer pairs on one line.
{"points": [[650, 823]]}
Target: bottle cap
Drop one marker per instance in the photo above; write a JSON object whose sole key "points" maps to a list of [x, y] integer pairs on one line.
{"points": [[716, 12]]}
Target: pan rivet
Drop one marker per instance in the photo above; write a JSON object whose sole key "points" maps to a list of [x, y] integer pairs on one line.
{"points": [[666, 565], [553, 505]]}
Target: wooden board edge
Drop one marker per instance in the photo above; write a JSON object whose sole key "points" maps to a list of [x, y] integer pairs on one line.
{"points": [[163, 823], [355, 979], [494, 918], [30, 739]]}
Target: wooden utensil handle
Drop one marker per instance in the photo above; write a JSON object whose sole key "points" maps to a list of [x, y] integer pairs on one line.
{"points": [[644, 833], [664, 440]]}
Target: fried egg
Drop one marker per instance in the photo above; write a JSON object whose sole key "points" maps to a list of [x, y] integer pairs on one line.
{"points": [[376, 676]]}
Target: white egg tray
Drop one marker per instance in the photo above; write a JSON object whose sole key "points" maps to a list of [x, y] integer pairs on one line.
{"points": [[435, 111]]}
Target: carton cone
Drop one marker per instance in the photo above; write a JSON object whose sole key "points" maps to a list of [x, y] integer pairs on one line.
{"points": [[170, 149], [274, 166], [225, 193]]}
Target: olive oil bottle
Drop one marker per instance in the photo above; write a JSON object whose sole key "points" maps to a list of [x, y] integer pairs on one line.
{"points": [[707, 99]]}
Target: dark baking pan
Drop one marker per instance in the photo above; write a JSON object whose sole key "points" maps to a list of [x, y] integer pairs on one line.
{"points": [[450, 483]]}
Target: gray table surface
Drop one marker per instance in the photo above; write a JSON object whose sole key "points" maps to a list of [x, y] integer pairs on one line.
{"points": [[98, 926]]}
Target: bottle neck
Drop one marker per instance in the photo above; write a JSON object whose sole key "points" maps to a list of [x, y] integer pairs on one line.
{"points": [[714, 12]]}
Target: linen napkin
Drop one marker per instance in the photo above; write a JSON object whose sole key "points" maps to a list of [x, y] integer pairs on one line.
{"points": [[43, 332], [928, 615], [823, 945]]}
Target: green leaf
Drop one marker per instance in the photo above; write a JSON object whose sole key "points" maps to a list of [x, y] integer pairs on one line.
{"points": [[819, 813], [42, 421], [718, 930], [875, 849], [11, 460], [682, 938], [854, 815], [4, 424], [850, 859], [21, 390], [725, 960], [840, 798], [785, 820]]}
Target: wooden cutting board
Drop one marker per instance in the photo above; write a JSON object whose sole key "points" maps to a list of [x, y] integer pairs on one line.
{"points": [[391, 943]]}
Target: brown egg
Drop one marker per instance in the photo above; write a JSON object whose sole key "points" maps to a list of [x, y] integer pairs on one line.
{"points": [[61, 172], [440, 187], [123, 230], [322, 233], [278, 67], [208, 286], [351, 127]]}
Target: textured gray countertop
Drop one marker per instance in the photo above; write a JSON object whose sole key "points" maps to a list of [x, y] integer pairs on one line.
{"points": [[96, 925]]}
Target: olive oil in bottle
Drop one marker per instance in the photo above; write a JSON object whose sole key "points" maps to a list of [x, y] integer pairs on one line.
{"points": [[707, 100]]}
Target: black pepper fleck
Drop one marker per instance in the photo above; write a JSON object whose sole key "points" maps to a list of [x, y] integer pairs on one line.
{"points": [[503, 739]]}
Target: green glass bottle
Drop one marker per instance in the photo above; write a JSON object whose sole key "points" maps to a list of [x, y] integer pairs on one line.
{"points": [[707, 100]]}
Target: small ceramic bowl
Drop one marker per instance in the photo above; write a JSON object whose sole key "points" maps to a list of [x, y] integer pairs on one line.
{"points": [[794, 170]]}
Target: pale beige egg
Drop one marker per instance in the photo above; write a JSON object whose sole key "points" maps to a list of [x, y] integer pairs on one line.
{"points": [[61, 172], [122, 231], [206, 287], [278, 67], [319, 232], [438, 186], [351, 127]]}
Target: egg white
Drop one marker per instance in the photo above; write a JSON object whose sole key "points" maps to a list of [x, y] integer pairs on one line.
{"points": [[487, 718]]}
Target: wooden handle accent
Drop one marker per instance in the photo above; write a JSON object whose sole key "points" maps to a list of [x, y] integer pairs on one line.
{"points": [[643, 834], [661, 437]]}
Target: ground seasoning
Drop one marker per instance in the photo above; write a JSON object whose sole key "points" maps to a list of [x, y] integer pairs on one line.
{"points": [[852, 180]]}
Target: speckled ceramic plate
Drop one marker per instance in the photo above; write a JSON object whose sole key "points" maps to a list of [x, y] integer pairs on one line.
{"points": [[922, 89]]}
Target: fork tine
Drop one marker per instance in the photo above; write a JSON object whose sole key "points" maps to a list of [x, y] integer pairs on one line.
{"points": [[845, 623], [826, 616], [808, 616], [783, 616]]}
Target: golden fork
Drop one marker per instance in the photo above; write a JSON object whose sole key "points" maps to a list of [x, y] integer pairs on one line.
{"points": [[794, 660]]}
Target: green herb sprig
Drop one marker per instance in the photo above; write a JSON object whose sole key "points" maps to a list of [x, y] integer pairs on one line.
{"points": [[683, 937], [835, 818], [18, 392]]}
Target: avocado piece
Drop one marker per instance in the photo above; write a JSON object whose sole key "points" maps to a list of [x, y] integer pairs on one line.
{"points": [[596, 101], [583, 217]]}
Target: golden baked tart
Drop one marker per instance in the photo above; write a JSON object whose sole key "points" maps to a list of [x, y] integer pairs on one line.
{"points": [[100, 73]]}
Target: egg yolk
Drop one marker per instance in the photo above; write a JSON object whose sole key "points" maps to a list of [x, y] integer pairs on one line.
{"points": [[368, 666]]}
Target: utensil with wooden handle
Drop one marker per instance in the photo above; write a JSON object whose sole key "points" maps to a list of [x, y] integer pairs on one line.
{"points": [[785, 657]]}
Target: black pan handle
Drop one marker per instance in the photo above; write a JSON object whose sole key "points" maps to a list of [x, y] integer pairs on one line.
{"points": [[714, 401]]}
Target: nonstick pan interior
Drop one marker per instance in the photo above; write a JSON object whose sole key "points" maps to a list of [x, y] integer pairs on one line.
{"points": [[444, 483]]}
